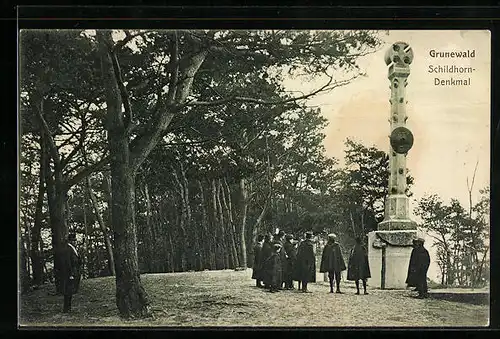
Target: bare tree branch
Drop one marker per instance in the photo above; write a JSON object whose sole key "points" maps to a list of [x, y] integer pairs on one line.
{"points": [[470, 187], [145, 143], [127, 39], [83, 134], [174, 76], [123, 90], [328, 86], [87, 171], [53, 148]]}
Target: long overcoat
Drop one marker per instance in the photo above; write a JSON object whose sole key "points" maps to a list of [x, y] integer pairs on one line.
{"points": [[70, 268], [332, 259], [358, 266], [283, 261], [257, 262], [265, 269], [276, 268], [291, 252], [419, 264], [306, 262]]}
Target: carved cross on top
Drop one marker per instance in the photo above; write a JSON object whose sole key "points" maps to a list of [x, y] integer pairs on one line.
{"points": [[400, 53]]}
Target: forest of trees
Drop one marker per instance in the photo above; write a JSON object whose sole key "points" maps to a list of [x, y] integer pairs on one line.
{"points": [[461, 237], [169, 151]]}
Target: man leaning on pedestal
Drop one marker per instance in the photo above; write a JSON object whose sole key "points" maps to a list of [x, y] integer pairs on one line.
{"points": [[418, 267]]}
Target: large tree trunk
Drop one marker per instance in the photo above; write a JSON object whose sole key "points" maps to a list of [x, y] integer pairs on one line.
{"points": [[131, 298], [226, 200], [24, 274], [148, 234], [191, 244], [36, 256], [56, 194], [228, 262], [107, 189], [218, 229], [185, 250], [208, 252], [85, 257], [102, 226], [243, 229]]}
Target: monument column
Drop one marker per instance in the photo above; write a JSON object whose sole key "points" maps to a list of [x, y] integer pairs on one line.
{"points": [[390, 246]]}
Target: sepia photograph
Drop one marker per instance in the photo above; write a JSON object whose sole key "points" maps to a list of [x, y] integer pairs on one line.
{"points": [[253, 178]]}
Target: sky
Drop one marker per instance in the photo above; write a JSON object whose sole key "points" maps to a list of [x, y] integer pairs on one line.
{"points": [[450, 124]]}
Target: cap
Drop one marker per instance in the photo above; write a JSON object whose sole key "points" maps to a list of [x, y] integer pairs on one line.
{"points": [[332, 236], [418, 241]]}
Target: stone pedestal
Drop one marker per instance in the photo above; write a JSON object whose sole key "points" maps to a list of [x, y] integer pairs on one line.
{"points": [[397, 225], [389, 256]]}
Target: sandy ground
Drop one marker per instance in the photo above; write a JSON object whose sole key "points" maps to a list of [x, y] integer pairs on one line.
{"points": [[229, 298]]}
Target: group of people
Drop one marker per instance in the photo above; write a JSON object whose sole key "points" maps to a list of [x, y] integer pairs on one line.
{"points": [[280, 260]]}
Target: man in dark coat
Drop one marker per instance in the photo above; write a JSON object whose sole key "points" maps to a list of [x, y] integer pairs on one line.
{"points": [[332, 262], [306, 262], [257, 261], [358, 266], [275, 267], [279, 238], [417, 269], [291, 253], [267, 250], [71, 271], [296, 273]]}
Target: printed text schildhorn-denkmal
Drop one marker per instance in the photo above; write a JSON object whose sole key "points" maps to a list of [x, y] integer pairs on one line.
{"points": [[452, 69]]}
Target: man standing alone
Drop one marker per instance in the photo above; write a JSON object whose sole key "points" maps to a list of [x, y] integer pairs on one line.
{"points": [[71, 272], [332, 262], [257, 261]]}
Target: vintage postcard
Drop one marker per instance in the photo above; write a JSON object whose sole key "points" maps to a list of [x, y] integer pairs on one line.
{"points": [[256, 178]]}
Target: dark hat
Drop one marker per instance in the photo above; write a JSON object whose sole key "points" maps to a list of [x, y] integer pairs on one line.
{"points": [[332, 236], [418, 241], [72, 237], [281, 233]]}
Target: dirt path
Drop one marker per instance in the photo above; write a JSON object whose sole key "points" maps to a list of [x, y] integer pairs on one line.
{"points": [[228, 298]]}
